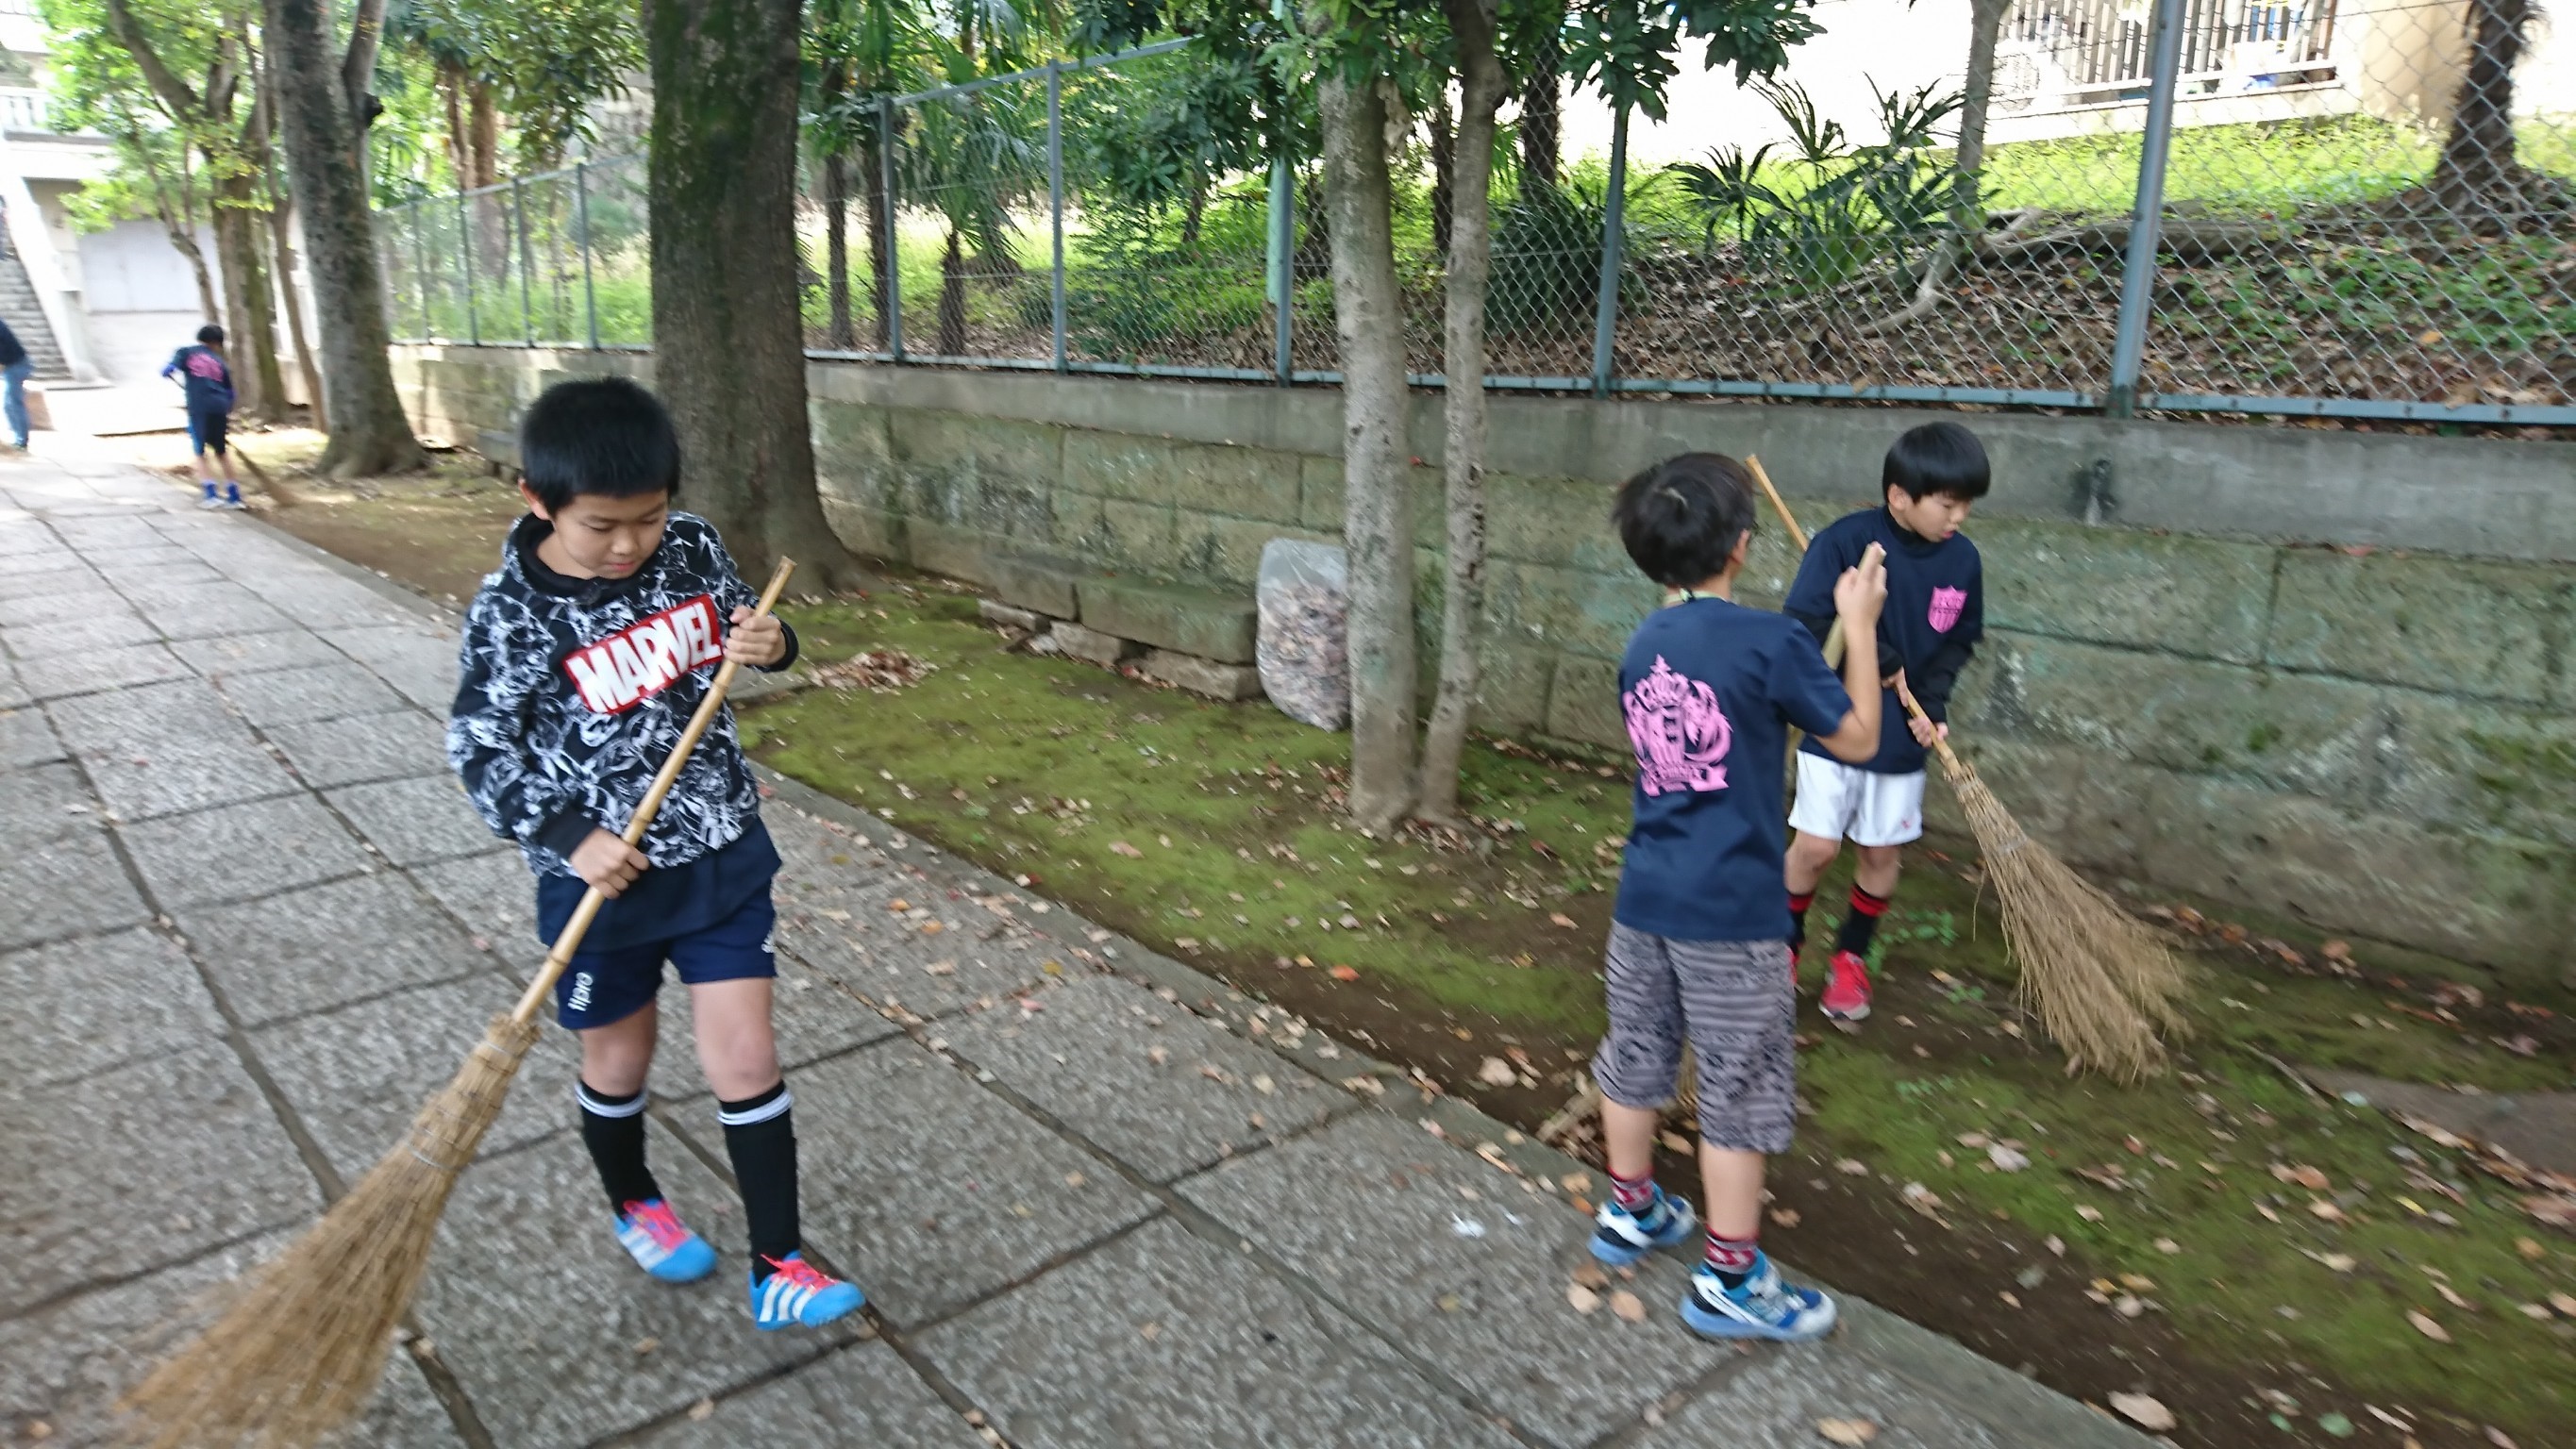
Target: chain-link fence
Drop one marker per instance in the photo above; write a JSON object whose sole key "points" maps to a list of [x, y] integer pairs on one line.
{"points": [[2354, 208]]}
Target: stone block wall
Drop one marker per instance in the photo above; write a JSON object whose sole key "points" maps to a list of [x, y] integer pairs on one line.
{"points": [[2321, 674]]}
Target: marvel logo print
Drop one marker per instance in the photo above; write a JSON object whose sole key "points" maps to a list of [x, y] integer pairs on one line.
{"points": [[641, 660]]}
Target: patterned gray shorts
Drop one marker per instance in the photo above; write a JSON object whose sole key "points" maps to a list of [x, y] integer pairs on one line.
{"points": [[1735, 1003]]}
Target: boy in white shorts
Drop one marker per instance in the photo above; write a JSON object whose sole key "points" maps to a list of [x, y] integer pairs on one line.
{"points": [[1934, 617]]}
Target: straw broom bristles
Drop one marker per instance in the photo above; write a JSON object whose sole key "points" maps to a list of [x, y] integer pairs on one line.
{"points": [[302, 1350]]}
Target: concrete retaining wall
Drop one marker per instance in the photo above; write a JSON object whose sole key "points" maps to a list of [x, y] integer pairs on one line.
{"points": [[2318, 673]]}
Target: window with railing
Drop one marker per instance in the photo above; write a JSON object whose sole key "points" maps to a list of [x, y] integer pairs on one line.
{"points": [[23, 110], [2058, 53]]}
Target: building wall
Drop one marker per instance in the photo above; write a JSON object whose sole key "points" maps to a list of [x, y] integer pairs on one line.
{"points": [[2318, 673]]}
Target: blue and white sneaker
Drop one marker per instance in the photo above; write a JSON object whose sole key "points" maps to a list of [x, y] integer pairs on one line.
{"points": [[798, 1293], [1764, 1307], [662, 1245], [1620, 1237]]}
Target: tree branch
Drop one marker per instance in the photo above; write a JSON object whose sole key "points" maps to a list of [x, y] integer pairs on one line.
{"points": [[358, 68], [175, 94]]}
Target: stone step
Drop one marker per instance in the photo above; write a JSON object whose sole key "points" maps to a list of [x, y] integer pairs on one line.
{"points": [[25, 314]]}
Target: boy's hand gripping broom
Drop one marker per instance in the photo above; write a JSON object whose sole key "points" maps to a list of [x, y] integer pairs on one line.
{"points": [[301, 1351], [2102, 981]]}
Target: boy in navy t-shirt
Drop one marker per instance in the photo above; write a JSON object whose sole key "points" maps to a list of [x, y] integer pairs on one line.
{"points": [[208, 382], [1936, 613], [1698, 941]]}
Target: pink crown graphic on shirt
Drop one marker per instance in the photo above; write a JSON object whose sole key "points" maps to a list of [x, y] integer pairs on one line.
{"points": [[1946, 604], [1679, 731]]}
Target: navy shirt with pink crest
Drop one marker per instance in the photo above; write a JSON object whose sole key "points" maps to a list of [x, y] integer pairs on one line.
{"points": [[1935, 614], [1709, 689]]}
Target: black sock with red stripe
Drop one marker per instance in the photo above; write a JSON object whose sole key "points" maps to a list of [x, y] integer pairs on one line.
{"points": [[1798, 904], [1861, 923]]}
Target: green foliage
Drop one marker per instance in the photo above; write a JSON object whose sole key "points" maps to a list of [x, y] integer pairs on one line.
{"points": [[549, 61], [1627, 47]]}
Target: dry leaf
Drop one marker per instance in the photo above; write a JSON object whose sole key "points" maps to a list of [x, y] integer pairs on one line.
{"points": [[2337, 1262], [1973, 1139], [702, 1410], [2530, 1249], [1628, 1306], [2499, 1438], [2564, 1303], [1591, 1276], [898, 904], [1785, 1217], [2320, 1208], [1120, 847], [1344, 973], [2005, 1159], [1560, 919], [1584, 1299], [1149, 1332], [1847, 1431], [2146, 1412], [1574, 1182], [1852, 1167], [2089, 1213], [2425, 1325], [2168, 1246], [1495, 1072]]}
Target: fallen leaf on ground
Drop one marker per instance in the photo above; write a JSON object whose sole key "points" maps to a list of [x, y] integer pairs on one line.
{"points": [[2006, 1159], [1847, 1431], [2089, 1213], [1584, 1299], [2336, 1424], [2339, 1262], [2168, 1246], [1591, 1276], [1852, 1167], [2320, 1208], [2425, 1325], [1628, 1306], [1495, 1072], [1120, 847], [2310, 1178], [2056, 1245], [1785, 1217], [2145, 1411], [1344, 973], [1972, 1139], [2563, 1303], [702, 1410], [1560, 919], [2529, 1248], [2499, 1438]]}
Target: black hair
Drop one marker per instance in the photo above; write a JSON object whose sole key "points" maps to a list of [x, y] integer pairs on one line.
{"points": [[602, 435], [1938, 458], [1682, 518], [211, 335]]}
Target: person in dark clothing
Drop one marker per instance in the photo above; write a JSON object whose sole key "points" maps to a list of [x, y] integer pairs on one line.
{"points": [[15, 367], [208, 379]]}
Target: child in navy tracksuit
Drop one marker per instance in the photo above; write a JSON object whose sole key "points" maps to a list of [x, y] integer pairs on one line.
{"points": [[1936, 613], [208, 379], [584, 657], [1698, 945]]}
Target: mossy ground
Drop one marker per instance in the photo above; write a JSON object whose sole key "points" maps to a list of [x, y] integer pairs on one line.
{"points": [[1209, 831]]}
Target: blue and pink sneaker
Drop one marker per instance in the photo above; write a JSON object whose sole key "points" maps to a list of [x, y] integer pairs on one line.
{"points": [[1764, 1307], [1620, 1237], [661, 1244], [798, 1293]]}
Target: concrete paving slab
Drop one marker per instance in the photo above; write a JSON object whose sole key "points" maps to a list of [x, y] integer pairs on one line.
{"points": [[107, 533], [934, 957], [328, 945], [361, 748], [1204, 1347], [320, 598], [45, 802], [85, 1006], [859, 1395], [83, 632], [219, 1169], [417, 820], [13, 695], [235, 852], [358, 1074], [205, 611], [160, 749], [1377, 1212], [418, 659], [69, 1363], [230, 654], [1776, 1398], [539, 1312], [63, 886], [495, 897], [314, 692], [1161, 1089], [47, 584], [182, 569], [25, 619], [26, 737], [933, 1192], [65, 675]]}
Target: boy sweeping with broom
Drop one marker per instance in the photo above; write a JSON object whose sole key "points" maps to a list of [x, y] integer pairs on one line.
{"points": [[584, 657], [1698, 941], [1936, 613]]}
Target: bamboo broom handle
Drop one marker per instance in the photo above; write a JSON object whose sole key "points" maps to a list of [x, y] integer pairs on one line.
{"points": [[1833, 636], [568, 940], [1940, 742]]}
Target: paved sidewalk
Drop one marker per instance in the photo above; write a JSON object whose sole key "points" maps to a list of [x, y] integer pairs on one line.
{"points": [[247, 923]]}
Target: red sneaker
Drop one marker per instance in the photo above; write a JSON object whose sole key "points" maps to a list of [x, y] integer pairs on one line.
{"points": [[1847, 987]]}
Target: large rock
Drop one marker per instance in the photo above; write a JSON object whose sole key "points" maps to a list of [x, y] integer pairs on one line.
{"points": [[1189, 621]]}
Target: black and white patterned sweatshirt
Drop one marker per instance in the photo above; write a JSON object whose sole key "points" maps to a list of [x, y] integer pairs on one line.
{"points": [[572, 692]]}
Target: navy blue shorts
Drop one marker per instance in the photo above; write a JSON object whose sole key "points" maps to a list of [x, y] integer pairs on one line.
{"points": [[615, 982], [206, 428]]}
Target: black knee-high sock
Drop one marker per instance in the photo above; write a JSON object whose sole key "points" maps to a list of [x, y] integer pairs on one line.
{"points": [[613, 1129], [1798, 903], [760, 1137], [1861, 923]]}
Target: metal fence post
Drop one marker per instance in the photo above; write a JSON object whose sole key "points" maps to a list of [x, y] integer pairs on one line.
{"points": [[1283, 264], [1055, 195], [2146, 222], [527, 258], [891, 261], [581, 220], [420, 269], [465, 250], [1605, 316]]}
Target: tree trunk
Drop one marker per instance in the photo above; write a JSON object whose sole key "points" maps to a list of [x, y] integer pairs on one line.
{"points": [[1471, 247], [836, 250], [728, 345], [2478, 170], [1967, 203], [369, 433], [952, 298], [1377, 513], [1539, 113], [881, 257], [282, 234], [483, 152], [259, 389], [1444, 162]]}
